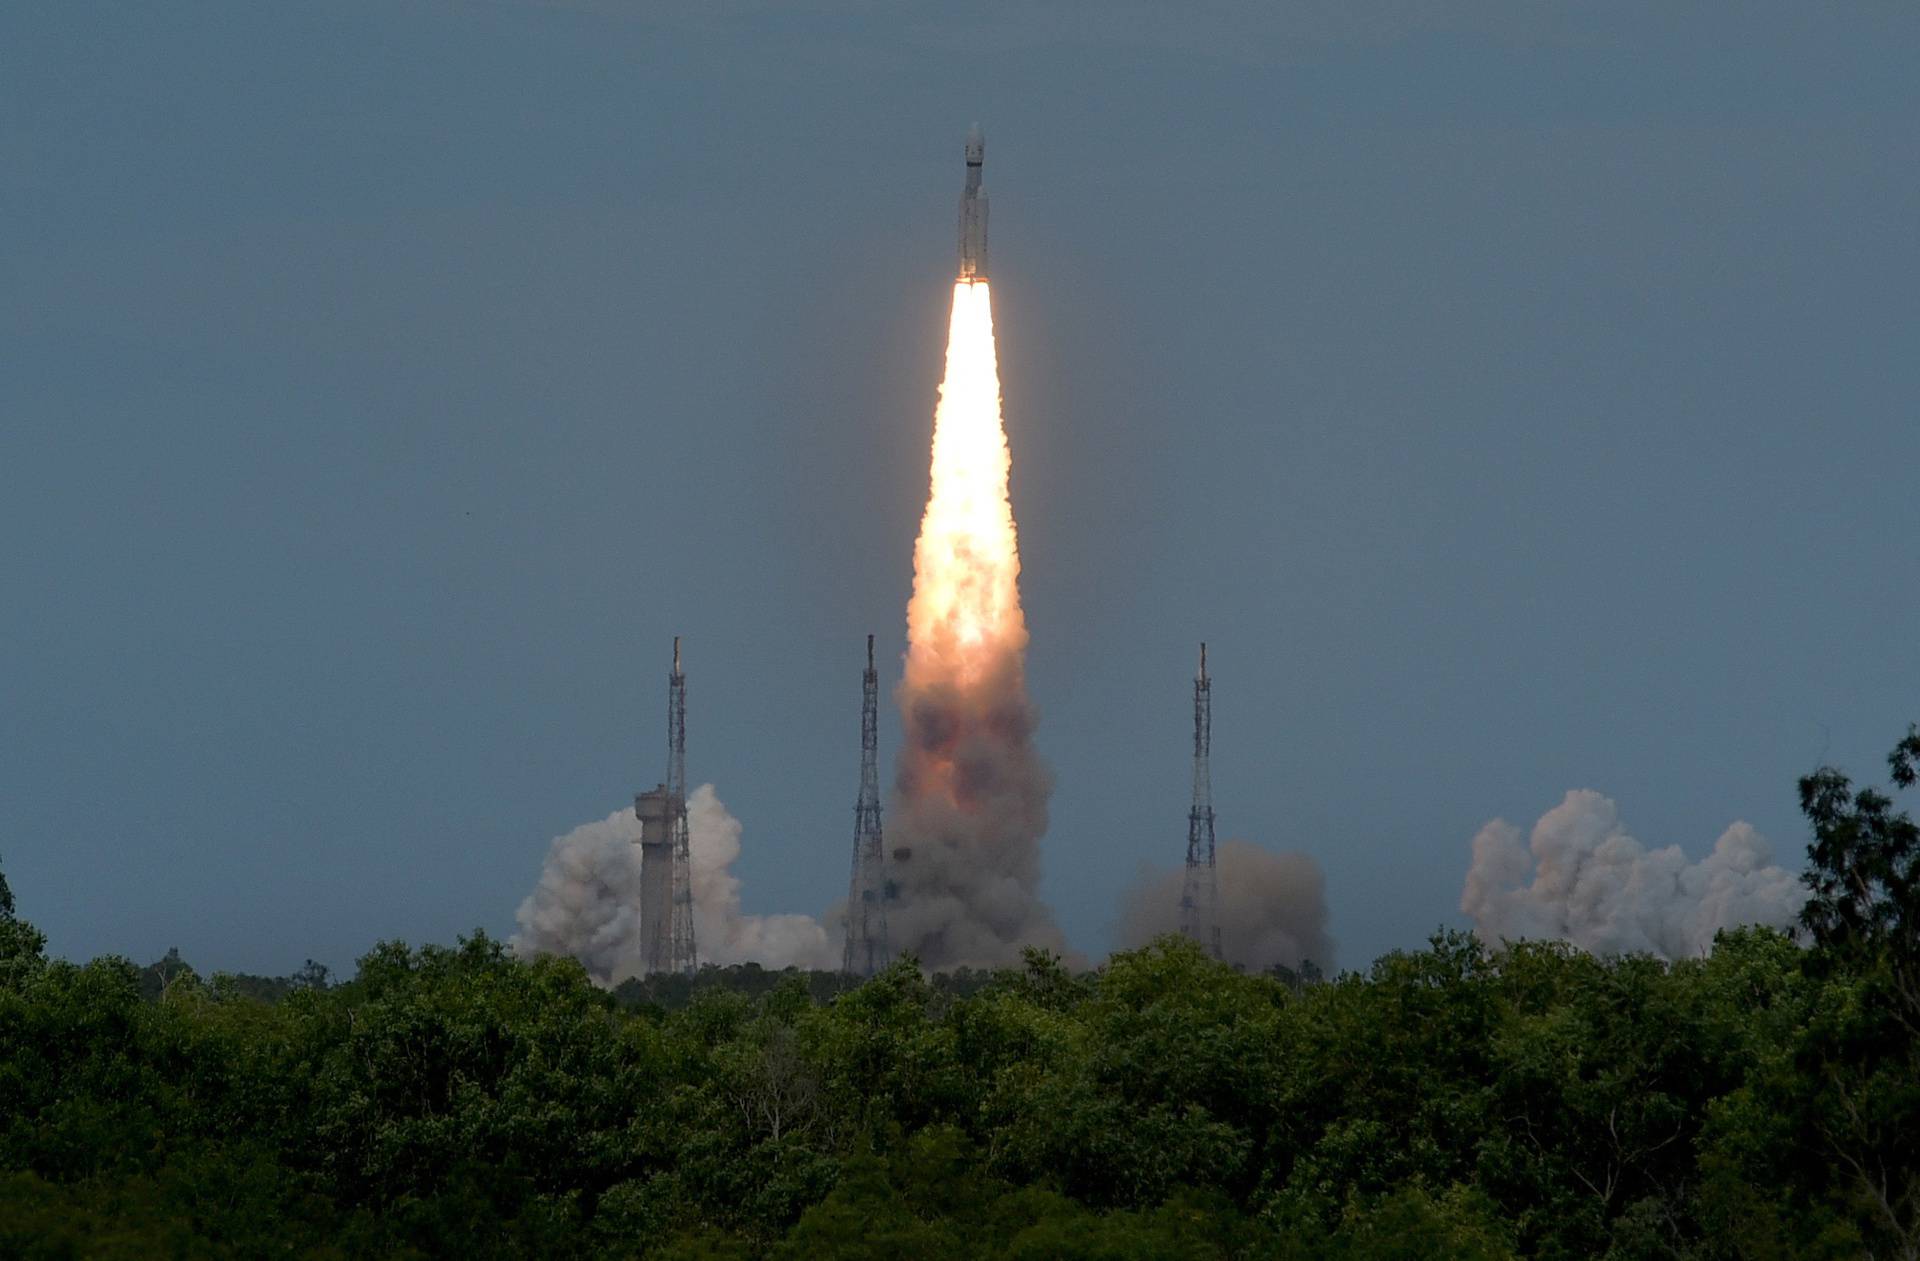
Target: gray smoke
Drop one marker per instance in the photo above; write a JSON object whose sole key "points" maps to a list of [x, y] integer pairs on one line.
{"points": [[1581, 878], [587, 903], [963, 830], [1273, 908]]}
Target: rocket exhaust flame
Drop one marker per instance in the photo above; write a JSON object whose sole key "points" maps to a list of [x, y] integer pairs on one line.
{"points": [[971, 792], [965, 615]]}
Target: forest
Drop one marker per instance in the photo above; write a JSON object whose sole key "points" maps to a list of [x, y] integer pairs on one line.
{"points": [[1461, 1100]]}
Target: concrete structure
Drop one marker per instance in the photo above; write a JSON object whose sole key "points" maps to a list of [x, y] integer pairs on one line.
{"points": [[655, 810]]}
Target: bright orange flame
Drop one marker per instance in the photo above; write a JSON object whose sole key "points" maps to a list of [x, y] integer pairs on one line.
{"points": [[964, 620]]}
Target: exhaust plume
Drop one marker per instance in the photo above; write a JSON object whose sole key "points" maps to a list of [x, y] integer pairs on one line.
{"points": [[1272, 908], [970, 792], [1582, 878], [587, 903]]}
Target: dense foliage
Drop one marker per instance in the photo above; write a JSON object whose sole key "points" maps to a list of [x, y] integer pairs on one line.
{"points": [[1450, 1102]]}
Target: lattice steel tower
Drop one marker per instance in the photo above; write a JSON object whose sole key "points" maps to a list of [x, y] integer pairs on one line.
{"points": [[866, 951], [686, 957], [1200, 892]]}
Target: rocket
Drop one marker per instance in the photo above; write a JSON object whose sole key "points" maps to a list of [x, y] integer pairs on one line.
{"points": [[973, 211]]}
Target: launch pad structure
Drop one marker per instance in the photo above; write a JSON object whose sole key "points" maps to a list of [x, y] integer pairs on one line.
{"points": [[1200, 890], [666, 850], [866, 947]]}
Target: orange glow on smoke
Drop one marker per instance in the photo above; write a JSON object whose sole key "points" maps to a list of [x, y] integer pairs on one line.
{"points": [[964, 623]]}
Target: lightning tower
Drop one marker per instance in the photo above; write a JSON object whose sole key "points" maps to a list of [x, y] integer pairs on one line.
{"points": [[1200, 892], [685, 957], [866, 949]]}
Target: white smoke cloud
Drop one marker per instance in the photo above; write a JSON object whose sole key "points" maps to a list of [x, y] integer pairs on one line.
{"points": [[1272, 909], [1582, 878], [587, 903]]}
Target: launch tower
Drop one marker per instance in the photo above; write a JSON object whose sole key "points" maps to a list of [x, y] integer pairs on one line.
{"points": [[685, 957], [666, 854], [866, 949], [1200, 892]]}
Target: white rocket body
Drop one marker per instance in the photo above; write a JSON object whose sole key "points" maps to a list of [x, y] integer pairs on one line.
{"points": [[973, 211]]}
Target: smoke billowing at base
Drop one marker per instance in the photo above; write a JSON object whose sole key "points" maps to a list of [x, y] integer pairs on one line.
{"points": [[970, 791], [587, 904], [1272, 908], [969, 809], [1580, 877]]}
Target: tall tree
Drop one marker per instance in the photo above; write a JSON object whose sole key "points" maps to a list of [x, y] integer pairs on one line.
{"points": [[1861, 1056], [1864, 875]]}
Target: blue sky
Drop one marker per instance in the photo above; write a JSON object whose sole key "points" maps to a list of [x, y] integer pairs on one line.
{"points": [[1517, 401]]}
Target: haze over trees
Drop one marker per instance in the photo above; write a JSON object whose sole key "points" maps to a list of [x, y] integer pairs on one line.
{"points": [[1457, 1101]]}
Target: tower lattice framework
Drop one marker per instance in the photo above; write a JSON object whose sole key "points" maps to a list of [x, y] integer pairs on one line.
{"points": [[1200, 891], [686, 957], [866, 948]]}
